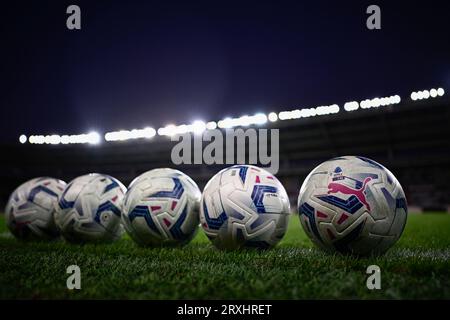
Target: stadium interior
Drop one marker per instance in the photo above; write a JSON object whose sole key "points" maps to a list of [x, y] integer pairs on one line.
{"points": [[410, 138]]}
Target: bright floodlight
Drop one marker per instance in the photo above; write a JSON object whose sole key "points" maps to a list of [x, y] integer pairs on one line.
{"points": [[149, 132], [259, 118], [351, 106], [65, 139], [225, 123], [170, 130], [284, 115], [433, 93], [334, 108], [376, 102], [93, 138], [53, 139], [440, 92], [273, 117], [198, 127], [23, 139], [211, 125], [242, 121], [420, 95]]}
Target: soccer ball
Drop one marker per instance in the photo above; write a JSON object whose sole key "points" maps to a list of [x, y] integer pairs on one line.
{"points": [[244, 206], [30, 209], [89, 209], [161, 208], [352, 205]]}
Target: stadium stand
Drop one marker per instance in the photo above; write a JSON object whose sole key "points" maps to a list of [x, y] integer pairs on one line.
{"points": [[412, 139]]}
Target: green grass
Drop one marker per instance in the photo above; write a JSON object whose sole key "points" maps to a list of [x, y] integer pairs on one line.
{"points": [[417, 267]]}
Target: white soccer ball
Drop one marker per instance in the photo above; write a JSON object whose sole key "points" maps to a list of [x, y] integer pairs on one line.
{"points": [[161, 208], [89, 210], [244, 206], [31, 207], [352, 205]]}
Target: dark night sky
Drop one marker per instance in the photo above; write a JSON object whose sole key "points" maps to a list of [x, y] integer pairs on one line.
{"points": [[140, 63]]}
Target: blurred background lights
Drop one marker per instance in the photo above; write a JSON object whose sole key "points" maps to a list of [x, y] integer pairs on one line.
{"points": [[426, 94], [351, 106], [272, 117], [376, 102], [211, 125], [199, 126], [89, 138], [23, 139]]}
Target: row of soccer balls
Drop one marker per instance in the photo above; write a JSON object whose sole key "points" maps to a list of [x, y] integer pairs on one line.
{"points": [[347, 204]]}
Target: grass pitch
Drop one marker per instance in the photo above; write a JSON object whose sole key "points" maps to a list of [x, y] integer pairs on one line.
{"points": [[417, 267]]}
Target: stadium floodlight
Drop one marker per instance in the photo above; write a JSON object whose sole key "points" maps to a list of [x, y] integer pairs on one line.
{"points": [[148, 132], [420, 95], [283, 115], [272, 117], [334, 108], [53, 139], [364, 104], [351, 106], [23, 139], [124, 135], [381, 102], [303, 113], [426, 94], [211, 125], [433, 93], [376, 102], [181, 129], [171, 130], [259, 119], [134, 134], [93, 138], [309, 112], [33, 140], [296, 114], [40, 139], [198, 127], [225, 123], [243, 121], [65, 139]]}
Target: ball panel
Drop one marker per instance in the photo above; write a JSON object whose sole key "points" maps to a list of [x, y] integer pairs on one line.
{"points": [[31, 207], [350, 204], [244, 206], [161, 208], [90, 208]]}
